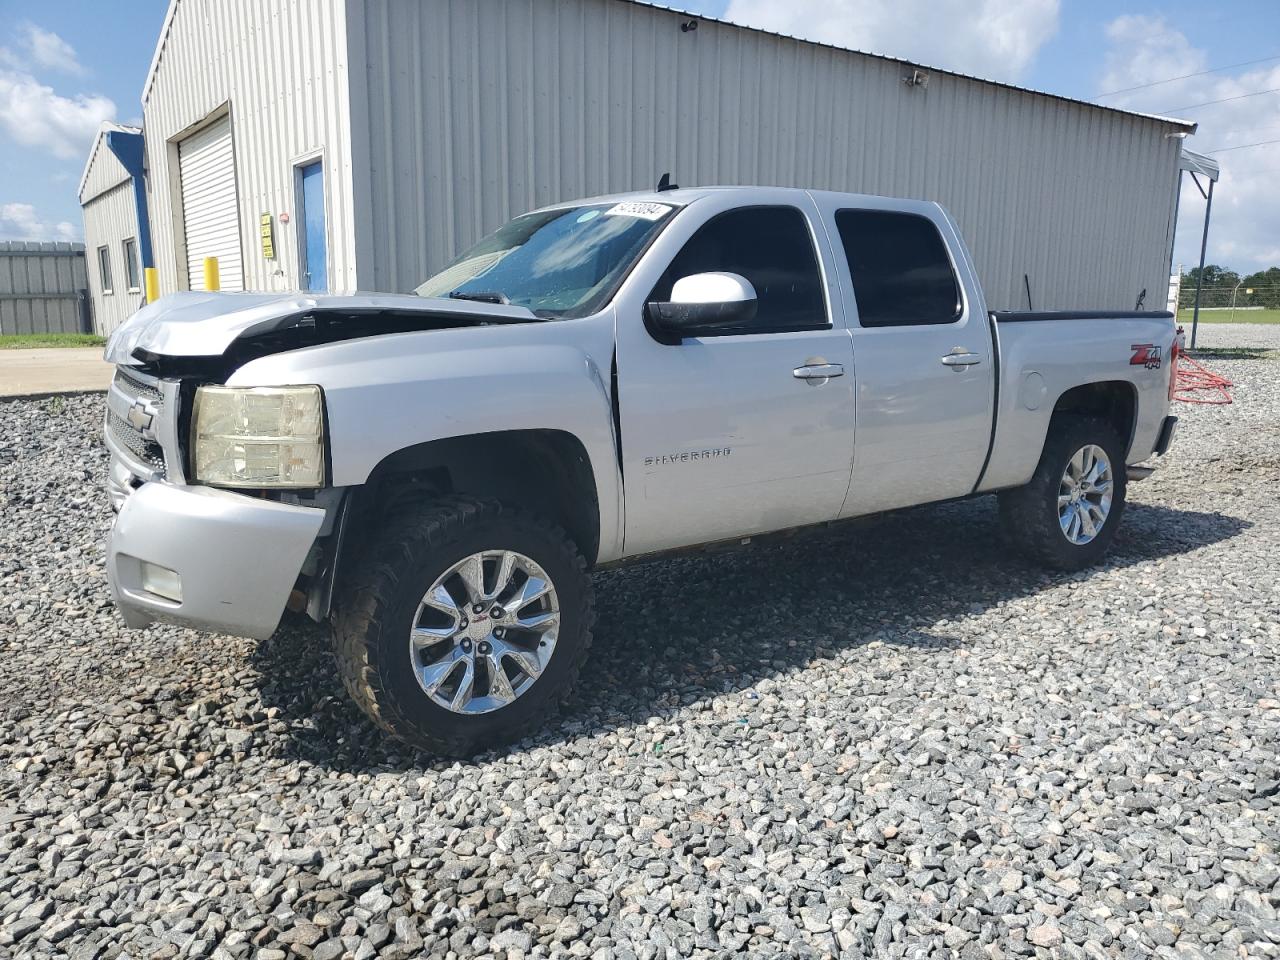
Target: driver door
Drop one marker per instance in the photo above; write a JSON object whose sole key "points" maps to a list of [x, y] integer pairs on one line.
{"points": [[725, 434]]}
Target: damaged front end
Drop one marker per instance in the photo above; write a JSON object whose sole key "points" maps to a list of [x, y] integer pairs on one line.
{"points": [[229, 549], [212, 334]]}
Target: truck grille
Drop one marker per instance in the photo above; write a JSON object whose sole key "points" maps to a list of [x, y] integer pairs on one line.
{"points": [[133, 385], [146, 450]]}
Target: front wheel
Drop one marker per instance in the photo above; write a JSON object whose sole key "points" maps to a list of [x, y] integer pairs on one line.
{"points": [[465, 627], [1067, 516]]}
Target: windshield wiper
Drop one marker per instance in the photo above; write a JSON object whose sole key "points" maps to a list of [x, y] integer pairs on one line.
{"points": [[483, 296]]}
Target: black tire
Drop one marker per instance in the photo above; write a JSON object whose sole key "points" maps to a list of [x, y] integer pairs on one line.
{"points": [[1029, 514], [377, 604]]}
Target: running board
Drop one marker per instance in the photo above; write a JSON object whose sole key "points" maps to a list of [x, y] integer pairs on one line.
{"points": [[1139, 473]]}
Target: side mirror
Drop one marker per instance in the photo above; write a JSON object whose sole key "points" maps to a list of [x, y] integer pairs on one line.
{"points": [[705, 301]]}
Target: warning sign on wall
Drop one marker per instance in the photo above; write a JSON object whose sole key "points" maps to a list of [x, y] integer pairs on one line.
{"points": [[267, 229]]}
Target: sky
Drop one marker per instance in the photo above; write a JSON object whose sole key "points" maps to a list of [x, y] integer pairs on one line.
{"points": [[67, 65]]}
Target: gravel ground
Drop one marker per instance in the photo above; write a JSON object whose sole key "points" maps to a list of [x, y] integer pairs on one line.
{"points": [[897, 741], [1251, 335]]}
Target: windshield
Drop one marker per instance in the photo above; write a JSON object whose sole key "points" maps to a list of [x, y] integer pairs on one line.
{"points": [[558, 263]]}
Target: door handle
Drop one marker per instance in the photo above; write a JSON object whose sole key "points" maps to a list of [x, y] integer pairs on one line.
{"points": [[960, 357], [816, 373]]}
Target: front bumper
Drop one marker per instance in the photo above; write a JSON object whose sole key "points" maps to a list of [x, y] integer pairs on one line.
{"points": [[237, 556]]}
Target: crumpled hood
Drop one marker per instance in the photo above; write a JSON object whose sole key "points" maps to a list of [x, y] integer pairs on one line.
{"points": [[201, 324]]}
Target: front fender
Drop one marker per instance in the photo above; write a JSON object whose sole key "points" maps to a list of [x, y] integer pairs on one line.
{"points": [[386, 393]]}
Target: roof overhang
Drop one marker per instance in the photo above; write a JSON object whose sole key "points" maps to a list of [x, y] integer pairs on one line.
{"points": [[1182, 126], [105, 130], [160, 44], [1198, 163]]}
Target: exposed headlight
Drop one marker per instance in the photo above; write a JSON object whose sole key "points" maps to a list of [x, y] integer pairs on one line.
{"points": [[259, 436]]}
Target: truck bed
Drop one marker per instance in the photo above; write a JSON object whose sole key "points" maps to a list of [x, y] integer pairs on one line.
{"points": [[1037, 362]]}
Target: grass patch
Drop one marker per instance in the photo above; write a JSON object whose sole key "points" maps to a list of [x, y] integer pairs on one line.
{"points": [[29, 341], [1224, 316]]}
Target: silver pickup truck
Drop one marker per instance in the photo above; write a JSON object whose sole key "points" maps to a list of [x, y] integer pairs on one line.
{"points": [[436, 474]]}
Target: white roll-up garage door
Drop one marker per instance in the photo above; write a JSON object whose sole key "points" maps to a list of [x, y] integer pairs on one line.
{"points": [[207, 169]]}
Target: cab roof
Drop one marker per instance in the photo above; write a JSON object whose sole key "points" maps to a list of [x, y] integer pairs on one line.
{"points": [[682, 196]]}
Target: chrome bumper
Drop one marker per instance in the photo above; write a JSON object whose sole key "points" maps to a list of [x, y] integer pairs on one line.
{"points": [[237, 557]]}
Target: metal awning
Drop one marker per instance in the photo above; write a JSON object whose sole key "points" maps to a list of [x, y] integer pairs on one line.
{"points": [[1198, 163]]}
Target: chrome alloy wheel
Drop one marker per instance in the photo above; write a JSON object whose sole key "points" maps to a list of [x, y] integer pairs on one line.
{"points": [[1084, 495], [484, 632]]}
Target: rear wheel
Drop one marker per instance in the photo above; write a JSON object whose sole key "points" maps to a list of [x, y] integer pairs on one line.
{"points": [[465, 627], [1067, 515]]}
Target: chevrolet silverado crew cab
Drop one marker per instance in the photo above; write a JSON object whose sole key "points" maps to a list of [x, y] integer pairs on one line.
{"points": [[436, 474]]}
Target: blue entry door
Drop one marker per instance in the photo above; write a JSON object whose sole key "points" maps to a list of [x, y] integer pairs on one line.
{"points": [[315, 248]]}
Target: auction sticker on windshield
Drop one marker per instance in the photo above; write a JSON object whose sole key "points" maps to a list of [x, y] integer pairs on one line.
{"points": [[638, 208]]}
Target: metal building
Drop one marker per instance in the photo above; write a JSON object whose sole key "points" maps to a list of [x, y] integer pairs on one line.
{"points": [[362, 143], [117, 235]]}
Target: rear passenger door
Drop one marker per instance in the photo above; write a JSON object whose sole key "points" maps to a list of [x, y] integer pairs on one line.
{"points": [[922, 351], [727, 434]]}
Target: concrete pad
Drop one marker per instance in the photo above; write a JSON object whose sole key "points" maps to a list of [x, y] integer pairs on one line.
{"points": [[47, 370]]}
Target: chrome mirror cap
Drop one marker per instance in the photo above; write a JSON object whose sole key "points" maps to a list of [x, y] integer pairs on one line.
{"points": [[705, 301], [712, 288]]}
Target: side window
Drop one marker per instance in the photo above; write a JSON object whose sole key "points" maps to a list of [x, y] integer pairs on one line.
{"points": [[772, 248], [131, 264], [104, 269], [901, 272]]}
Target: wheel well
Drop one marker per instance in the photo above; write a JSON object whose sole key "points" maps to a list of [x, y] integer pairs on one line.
{"points": [[546, 471], [1114, 401]]}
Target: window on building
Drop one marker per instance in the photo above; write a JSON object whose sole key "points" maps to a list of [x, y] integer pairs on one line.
{"points": [[104, 268], [131, 270], [902, 275], [773, 249]]}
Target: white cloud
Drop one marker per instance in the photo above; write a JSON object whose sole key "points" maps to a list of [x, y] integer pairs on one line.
{"points": [[989, 38], [40, 49], [1144, 49], [1243, 233], [36, 116], [19, 221], [49, 50]]}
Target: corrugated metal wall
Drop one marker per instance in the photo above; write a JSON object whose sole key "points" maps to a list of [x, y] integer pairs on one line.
{"points": [[109, 219], [470, 111], [104, 169], [42, 288], [280, 68]]}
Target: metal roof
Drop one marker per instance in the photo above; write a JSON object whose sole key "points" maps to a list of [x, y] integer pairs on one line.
{"points": [[160, 42], [1198, 163], [103, 129], [1188, 126]]}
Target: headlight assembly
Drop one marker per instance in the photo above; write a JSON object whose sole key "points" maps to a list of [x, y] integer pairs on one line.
{"points": [[259, 437]]}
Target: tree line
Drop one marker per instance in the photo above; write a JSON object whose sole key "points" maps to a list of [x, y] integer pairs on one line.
{"points": [[1260, 289]]}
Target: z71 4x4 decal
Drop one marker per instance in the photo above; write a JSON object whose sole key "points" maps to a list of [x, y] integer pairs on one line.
{"points": [[1145, 355]]}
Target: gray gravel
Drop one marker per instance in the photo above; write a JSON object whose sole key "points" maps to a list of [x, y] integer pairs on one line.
{"points": [[897, 741], [1251, 335]]}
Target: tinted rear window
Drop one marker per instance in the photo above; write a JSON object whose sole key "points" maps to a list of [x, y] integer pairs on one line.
{"points": [[901, 272]]}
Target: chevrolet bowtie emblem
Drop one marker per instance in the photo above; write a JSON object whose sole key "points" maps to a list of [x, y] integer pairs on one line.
{"points": [[140, 417]]}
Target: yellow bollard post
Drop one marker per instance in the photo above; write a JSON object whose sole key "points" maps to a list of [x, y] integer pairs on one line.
{"points": [[151, 277], [211, 273]]}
